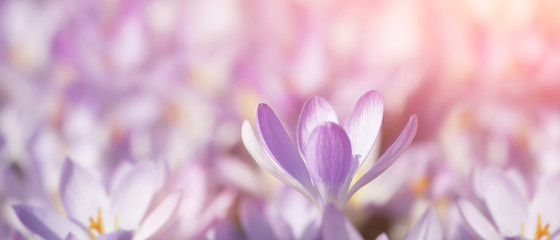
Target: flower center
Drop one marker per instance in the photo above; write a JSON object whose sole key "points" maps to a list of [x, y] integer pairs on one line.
{"points": [[542, 231], [419, 186], [97, 225]]}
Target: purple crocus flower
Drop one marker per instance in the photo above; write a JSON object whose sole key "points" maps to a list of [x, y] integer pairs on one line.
{"points": [[327, 155], [510, 214], [93, 214]]}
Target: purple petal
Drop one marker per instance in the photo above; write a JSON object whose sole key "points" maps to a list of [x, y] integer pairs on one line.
{"points": [[281, 147], [504, 202], [132, 198], [427, 228], [315, 112], [117, 235], [224, 229], [261, 156], [476, 222], [16, 235], [254, 221], [389, 157], [160, 216], [364, 123], [81, 192], [329, 156], [47, 224], [336, 226]]}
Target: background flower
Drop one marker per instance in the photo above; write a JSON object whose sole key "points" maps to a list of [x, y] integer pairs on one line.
{"points": [[111, 83]]}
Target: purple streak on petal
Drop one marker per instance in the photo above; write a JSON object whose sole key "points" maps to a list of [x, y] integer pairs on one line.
{"points": [[427, 228], [476, 222], [504, 202], [364, 123], [71, 237], [261, 156], [117, 235], [329, 157], [46, 223], [160, 216], [389, 157], [82, 193], [132, 198], [281, 146], [336, 226], [254, 220], [315, 112]]}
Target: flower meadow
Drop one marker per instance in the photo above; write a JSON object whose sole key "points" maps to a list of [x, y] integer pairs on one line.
{"points": [[253, 119]]}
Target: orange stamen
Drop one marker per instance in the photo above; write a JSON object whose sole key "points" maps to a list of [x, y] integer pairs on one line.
{"points": [[96, 225], [420, 186], [542, 231]]}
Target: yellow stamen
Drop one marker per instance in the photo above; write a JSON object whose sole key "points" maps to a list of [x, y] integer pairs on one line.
{"points": [[542, 231], [116, 223], [523, 229], [96, 225]]}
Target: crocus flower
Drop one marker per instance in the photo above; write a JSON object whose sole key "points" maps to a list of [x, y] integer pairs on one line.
{"points": [[428, 227], [289, 216], [327, 155], [92, 214], [509, 213]]}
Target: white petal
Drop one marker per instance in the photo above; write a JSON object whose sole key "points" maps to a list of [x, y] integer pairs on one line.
{"points": [[133, 196], [81, 192], [504, 202], [476, 222], [427, 228], [159, 217]]}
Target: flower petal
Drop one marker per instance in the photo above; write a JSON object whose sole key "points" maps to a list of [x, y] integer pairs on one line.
{"points": [[364, 123], [382, 236], [281, 147], [132, 198], [477, 222], [81, 192], [504, 202], [389, 157], [47, 223], [545, 202], [329, 156], [157, 219], [315, 112], [71, 237], [336, 226], [427, 228], [117, 235], [259, 153], [253, 220]]}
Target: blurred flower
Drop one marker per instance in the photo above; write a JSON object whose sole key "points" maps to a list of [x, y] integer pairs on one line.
{"points": [[88, 207], [510, 212], [203, 207], [332, 154]]}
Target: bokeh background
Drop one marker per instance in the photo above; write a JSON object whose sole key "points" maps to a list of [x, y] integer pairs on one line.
{"points": [[170, 81]]}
